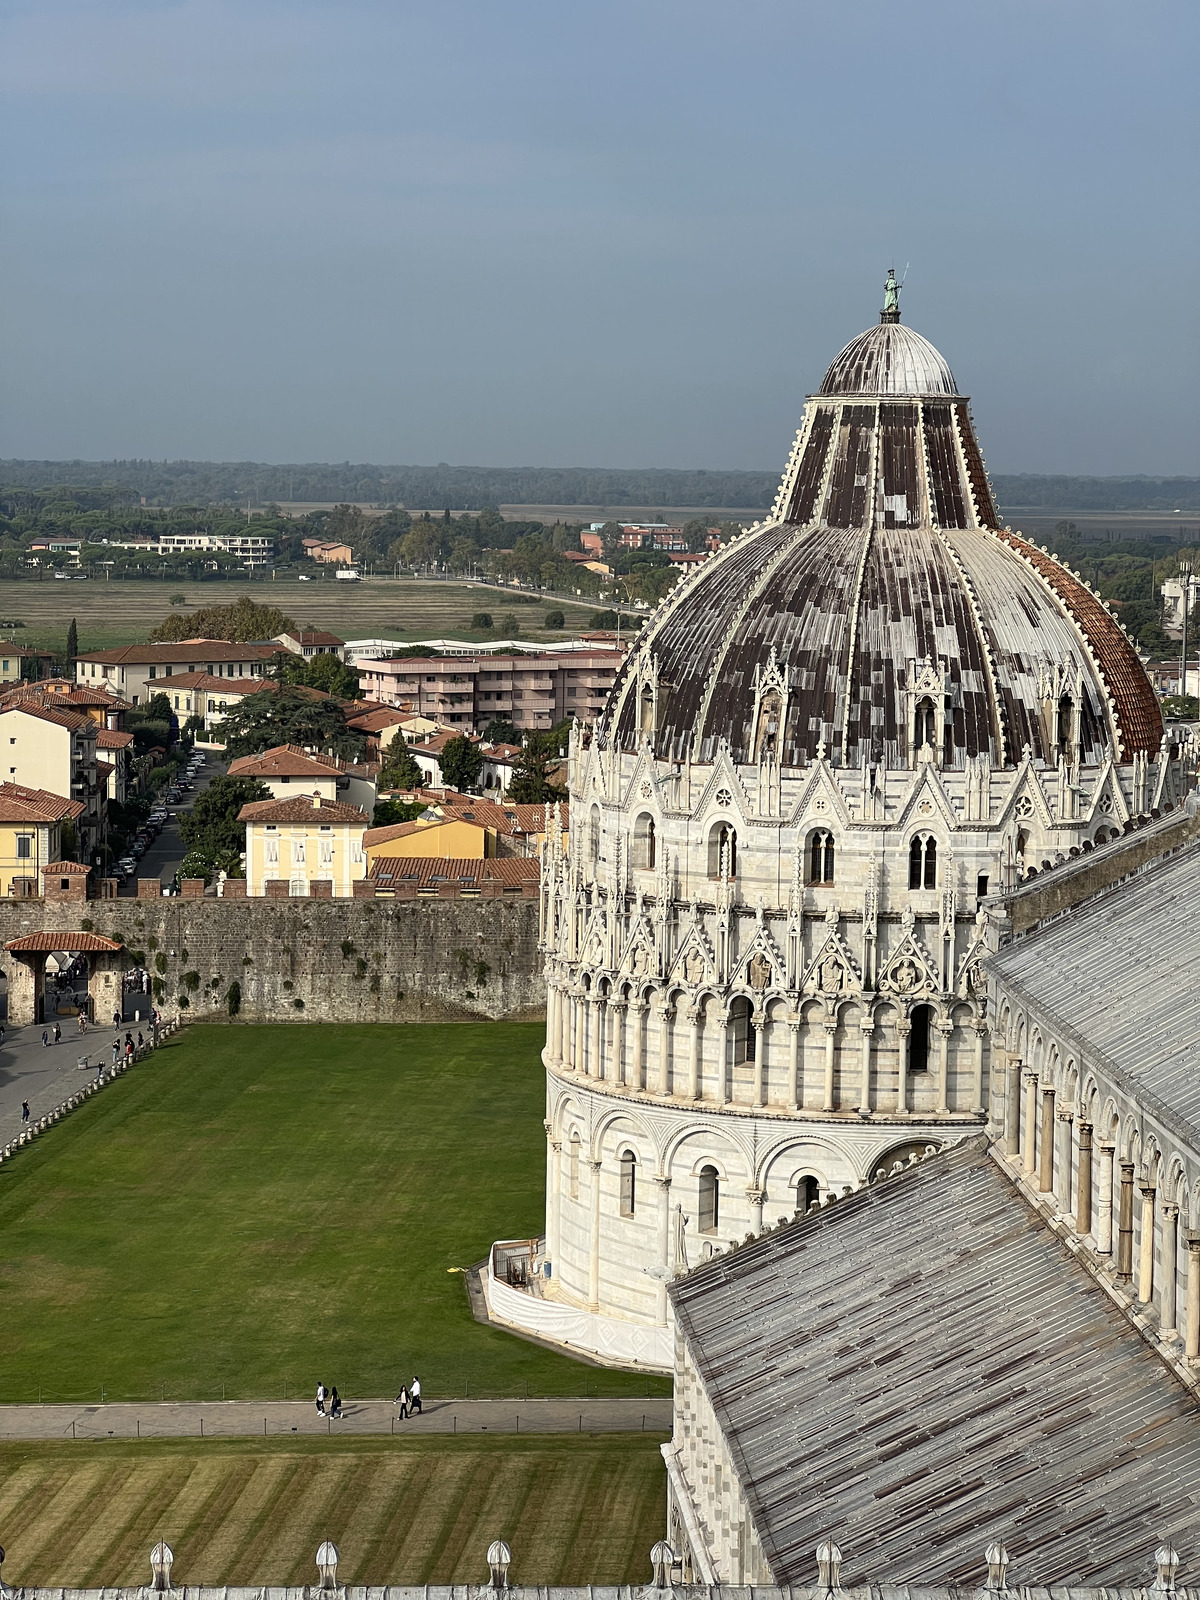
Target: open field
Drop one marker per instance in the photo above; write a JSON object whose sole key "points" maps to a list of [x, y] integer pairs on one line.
{"points": [[254, 1511], [261, 1207], [406, 608]]}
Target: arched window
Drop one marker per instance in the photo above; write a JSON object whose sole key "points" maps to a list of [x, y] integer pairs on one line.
{"points": [[1066, 720], [925, 724], [644, 841], [722, 851], [594, 835], [921, 1021], [628, 1183], [741, 1031], [710, 1200], [922, 862], [573, 1166], [820, 856], [808, 1193]]}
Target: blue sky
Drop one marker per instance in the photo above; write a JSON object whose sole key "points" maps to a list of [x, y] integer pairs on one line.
{"points": [[512, 232]]}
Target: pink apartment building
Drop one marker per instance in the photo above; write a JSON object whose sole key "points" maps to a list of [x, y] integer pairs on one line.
{"points": [[468, 692]]}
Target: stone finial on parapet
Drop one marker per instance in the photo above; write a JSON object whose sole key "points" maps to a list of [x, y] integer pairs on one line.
{"points": [[161, 1558], [499, 1559], [327, 1564], [1166, 1565], [829, 1566], [662, 1559], [996, 1557]]}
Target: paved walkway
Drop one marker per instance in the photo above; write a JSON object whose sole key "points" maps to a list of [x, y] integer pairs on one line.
{"points": [[242, 1418], [45, 1075]]}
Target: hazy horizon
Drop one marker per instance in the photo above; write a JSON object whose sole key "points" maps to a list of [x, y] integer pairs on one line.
{"points": [[392, 233]]}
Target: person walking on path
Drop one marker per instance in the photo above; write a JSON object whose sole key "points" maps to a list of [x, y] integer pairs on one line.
{"points": [[321, 1398], [335, 1403], [57, 1033], [45, 1037], [402, 1404], [116, 1019], [99, 1069], [24, 1110], [116, 1051], [415, 1392], [1, 1033]]}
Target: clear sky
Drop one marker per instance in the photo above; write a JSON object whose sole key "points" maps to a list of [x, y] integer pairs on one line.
{"points": [[516, 232]]}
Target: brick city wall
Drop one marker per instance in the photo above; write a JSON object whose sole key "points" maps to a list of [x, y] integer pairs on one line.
{"points": [[314, 960]]}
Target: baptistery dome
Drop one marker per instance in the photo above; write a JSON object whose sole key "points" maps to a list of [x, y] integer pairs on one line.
{"points": [[882, 579]]}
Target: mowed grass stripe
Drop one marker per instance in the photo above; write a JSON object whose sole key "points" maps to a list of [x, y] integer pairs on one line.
{"points": [[582, 1510]]}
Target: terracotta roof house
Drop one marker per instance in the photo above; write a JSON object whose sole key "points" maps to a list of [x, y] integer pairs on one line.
{"points": [[303, 846]]}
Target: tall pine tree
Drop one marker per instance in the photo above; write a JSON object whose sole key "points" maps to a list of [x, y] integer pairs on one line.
{"points": [[72, 647]]}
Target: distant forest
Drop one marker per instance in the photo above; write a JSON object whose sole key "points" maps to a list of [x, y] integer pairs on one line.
{"points": [[176, 483]]}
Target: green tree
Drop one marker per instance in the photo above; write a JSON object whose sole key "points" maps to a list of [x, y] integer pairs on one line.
{"points": [[211, 827], [482, 619], [239, 622], [610, 533], [461, 763], [603, 619], [72, 646], [198, 864], [555, 619], [179, 599], [290, 715], [332, 676], [533, 776], [696, 533], [388, 812], [501, 731], [399, 770]]}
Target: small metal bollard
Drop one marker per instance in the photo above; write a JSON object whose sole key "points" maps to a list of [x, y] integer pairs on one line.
{"points": [[327, 1561], [161, 1558], [663, 1559], [499, 1558]]}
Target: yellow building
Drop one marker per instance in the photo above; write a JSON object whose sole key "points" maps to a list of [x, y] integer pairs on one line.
{"points": [[31, 824], [449, 838], [306, 843], [288, 770]]}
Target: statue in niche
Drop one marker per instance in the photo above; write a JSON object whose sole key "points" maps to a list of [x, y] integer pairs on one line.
{"points": [[905, 976], [761, 972], [830, 975], [680, 1252], [693, 967], [639, 962]]}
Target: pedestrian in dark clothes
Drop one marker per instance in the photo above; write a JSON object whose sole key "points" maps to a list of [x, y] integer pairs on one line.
{"points": [[24, 1110], [335, 1403], [57, 1033], [402, 1404]]}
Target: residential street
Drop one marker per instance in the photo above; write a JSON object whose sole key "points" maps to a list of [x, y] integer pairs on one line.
{"points": [[168, 850]]}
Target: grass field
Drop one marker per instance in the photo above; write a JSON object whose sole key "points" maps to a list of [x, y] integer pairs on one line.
{"points": [[123, 613], [405, 1511], [257, 1208]]}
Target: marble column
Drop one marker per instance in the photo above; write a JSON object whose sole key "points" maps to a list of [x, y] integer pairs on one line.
{"points": [[1169, 1307], [762, 1026], [1012, 1106], [1046, 1132], [1125, 1225], [594, 1262], [1065, 1120], [1104, 1199], [692, 1018], [664, 1217], [756, 1198], [664, 1046], [867, 1030], [553, 1210], [1192, 1313], [596, 1063], [1029, 1142], [903, 1034], [617, 1040], [554, 1024], [1083, 1185], [639, 1043], [578, 1058], [1146, 1249], [722, 1084], [945, 1028], [980, 1027], [830, 1062]]}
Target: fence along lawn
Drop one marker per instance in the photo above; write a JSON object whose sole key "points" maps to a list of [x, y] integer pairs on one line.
{"points": [[259, 1208], [253, 1512]]}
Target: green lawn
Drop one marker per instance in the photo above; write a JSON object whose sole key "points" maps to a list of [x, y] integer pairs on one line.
{"points": [[259, 1207], [405, 1511]]}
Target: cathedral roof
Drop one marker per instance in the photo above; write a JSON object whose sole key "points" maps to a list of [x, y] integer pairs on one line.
{"points": [[925, 1365], [885, 566]]}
